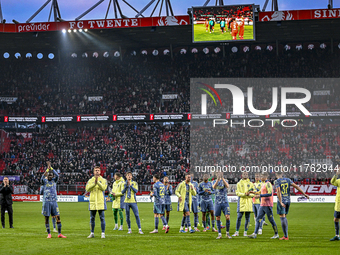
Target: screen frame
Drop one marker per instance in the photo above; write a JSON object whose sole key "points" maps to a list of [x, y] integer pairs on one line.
{"points": [[222, 41]]}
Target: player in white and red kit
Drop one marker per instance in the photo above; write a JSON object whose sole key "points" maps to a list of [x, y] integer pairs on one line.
{"points": [[234, 29], [241, 32]]}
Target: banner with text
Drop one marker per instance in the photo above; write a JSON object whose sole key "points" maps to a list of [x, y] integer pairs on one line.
{"points": [[8, 100], [96, 24], [26, 198], [10, 177], [64, 198], [299, 15], [20, 189], [317, 190]]}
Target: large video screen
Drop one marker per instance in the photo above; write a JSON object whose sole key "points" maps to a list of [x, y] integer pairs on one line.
{"points": [[223, 23]]}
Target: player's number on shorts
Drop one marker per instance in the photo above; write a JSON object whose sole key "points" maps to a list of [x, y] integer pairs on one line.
{"points": [[284, 188], [161, 191]]}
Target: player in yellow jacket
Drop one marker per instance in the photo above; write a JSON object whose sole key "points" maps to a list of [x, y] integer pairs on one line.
{"points": [[97, 186], [118, 200], [184, 191], [336, 182], [244, 204], [130, 188]]}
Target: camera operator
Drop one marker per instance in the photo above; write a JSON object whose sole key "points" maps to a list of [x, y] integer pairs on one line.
{"points": [[6, 202]]}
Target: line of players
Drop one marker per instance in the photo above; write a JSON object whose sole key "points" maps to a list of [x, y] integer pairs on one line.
{"points": [[252, 197], [231, 24], [190, 196]]}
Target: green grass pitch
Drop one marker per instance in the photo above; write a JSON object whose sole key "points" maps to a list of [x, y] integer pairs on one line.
{"points": [[200, 34], [310, 228]]}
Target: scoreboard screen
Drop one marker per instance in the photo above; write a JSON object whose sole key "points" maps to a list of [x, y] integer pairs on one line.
{"points": [[223, 23]]}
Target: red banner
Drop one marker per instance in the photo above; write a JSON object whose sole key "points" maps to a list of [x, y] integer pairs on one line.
{"points": [[300, 15], [317, 190], [96, 24], [27, 198]]}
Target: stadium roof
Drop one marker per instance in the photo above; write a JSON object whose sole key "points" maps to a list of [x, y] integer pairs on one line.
{"points": [[150, 37]]}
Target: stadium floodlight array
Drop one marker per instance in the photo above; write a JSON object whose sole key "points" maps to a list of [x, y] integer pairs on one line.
{"points": [[216, 50], [183, 51], [155, 52], [74, 30], [28, 55]]}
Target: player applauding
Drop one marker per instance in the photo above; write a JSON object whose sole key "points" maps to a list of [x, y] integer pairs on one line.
{"points": [[130, 189], [49, 181], [221, 203], [244, 203], [205, 189]]}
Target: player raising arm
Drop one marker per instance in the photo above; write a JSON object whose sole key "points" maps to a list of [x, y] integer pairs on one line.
{"points": [[336, 182], [54, 220], [49, 181], [221, 203], [283, 203]]}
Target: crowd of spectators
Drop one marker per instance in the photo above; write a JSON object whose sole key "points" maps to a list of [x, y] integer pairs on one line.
{"points": [[141, 149], [256, 149], [146, 149], [136, 84]]}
